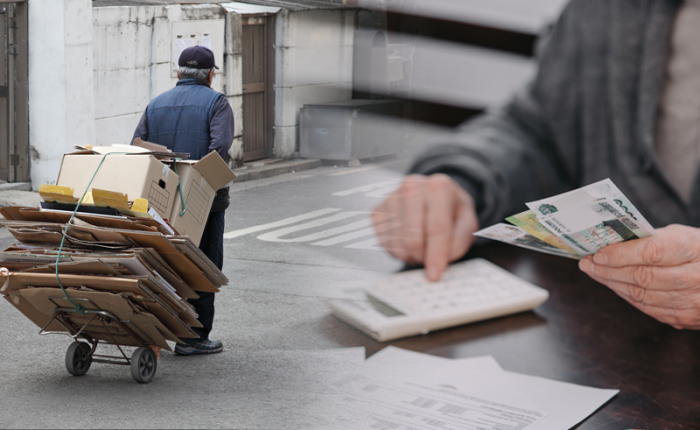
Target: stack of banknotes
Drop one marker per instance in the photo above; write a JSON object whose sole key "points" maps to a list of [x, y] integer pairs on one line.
{"points": [[574, 224]]}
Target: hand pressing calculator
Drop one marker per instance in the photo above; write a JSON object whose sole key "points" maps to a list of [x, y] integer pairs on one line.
{"points": [[406, 303]]}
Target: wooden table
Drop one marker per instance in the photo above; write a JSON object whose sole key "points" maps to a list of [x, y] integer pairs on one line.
{"points": [[584, 334]]}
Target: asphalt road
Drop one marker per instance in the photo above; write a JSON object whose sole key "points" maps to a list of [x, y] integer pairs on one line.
{"points": [[295, 240]]}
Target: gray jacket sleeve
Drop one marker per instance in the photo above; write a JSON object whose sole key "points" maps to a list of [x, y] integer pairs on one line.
{"points": [[141, 129], [508, 156], [221, 128]]}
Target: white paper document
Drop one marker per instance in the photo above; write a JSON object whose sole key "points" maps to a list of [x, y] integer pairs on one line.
{"points": [[206, 41], [401, 389], [178, 47], [389, 402]]}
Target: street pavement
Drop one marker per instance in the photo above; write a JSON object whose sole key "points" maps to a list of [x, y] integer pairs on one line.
{"points": [[292, 242]]}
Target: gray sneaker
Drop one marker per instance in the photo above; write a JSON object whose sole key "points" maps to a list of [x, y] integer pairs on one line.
{"points": [[198, 346]]}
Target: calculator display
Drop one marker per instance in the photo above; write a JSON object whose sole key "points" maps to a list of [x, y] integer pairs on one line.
{"points": [[382, 307]]}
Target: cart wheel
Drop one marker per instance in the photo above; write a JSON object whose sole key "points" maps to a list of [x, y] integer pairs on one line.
{"points": [[78, 358], [144, 365]]}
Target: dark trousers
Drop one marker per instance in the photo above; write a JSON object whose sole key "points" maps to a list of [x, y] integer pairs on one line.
{"points": [[212, 244]]}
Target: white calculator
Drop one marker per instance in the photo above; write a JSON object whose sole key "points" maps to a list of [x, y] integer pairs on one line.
{"points": [[406, 303]]}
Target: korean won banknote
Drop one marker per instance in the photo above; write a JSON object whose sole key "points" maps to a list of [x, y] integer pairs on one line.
{"points": [[579, 222]]}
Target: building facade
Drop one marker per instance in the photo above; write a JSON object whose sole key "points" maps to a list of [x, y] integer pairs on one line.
{"points": [[94, 66]]}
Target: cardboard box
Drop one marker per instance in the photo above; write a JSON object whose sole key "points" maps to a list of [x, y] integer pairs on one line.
{"points": [[199, 181], [137, 176]]}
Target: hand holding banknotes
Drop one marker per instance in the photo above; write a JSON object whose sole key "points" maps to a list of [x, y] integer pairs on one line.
{"points": [[429, 220], [660, 275]]}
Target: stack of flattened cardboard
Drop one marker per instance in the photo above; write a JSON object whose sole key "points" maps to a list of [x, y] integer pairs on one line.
{"points": [[123, 266], [132, 268]]}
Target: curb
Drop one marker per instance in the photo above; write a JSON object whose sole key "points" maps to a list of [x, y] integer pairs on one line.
{"points": [[16, 186], [274, 169]]}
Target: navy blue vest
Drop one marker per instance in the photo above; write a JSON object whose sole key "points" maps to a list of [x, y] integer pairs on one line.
{"points": [[179, 118]]}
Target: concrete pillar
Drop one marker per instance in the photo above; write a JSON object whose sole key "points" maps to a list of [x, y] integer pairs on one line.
{"points": [[314, 64], [233, 82], [61, 93]]}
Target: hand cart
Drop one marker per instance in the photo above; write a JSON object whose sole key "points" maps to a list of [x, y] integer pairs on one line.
{"points": [[97, 326]]}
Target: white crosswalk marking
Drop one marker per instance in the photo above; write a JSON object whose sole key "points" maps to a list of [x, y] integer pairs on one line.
{"points": [[383, 192], [276, 236], [352, 236], [354, 230], [282, 223], [335, 231], [345, 237], [371, 244], [368, 188]]}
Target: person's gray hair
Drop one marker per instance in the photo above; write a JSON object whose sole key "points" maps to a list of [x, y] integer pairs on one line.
{"points": [[190, 73]]}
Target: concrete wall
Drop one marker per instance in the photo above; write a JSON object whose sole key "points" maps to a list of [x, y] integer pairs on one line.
{"points": [[61, 103], [128, 45], [132, 51], [93, 71], [314, 57]]}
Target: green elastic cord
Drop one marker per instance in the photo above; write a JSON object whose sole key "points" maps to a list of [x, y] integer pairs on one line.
{"points": [[79, 309], [179, 186]]}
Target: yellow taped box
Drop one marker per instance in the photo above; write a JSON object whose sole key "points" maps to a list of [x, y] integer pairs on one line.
{"points": [[110, 199], [137, 176], [54, 193]]}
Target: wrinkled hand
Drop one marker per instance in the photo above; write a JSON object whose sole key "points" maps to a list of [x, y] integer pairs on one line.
{"points": [[429, 220], [660, 275]]}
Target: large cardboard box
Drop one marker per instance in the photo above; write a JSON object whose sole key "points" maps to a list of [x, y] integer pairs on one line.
{"points": [[135, 175], [199, 181]]}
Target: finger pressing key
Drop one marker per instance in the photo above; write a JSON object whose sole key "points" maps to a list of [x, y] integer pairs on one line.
{"points": [[439, 227]]}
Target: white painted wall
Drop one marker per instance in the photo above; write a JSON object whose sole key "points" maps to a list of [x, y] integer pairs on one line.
{"points": [[126, 61], [132, 51], [314, 56], [61, 103]]}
